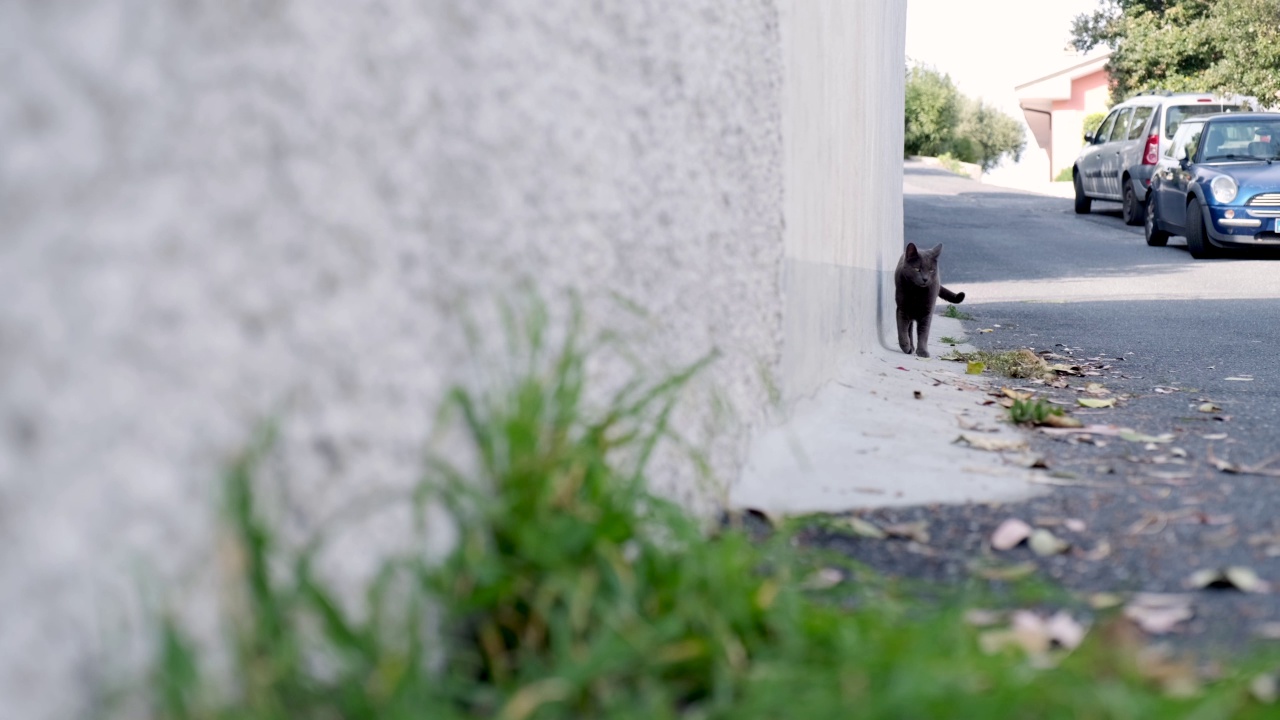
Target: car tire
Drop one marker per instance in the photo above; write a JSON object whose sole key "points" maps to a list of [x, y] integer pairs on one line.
{"points": [[1197, 238], [1083, 202], [1133, 210], [1155, 236]]}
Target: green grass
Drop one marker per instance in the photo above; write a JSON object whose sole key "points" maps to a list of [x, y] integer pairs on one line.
{"points": [[954, 312], [953, 164], [948, 340], [573, 592], [1067, 174], [1032, 412]]}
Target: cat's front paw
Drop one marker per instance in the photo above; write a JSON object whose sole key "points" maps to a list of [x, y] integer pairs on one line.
{"points": [[922, 352], [906, 347]]}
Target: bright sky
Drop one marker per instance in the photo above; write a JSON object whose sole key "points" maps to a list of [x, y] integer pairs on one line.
{"points": [[989, 46]]}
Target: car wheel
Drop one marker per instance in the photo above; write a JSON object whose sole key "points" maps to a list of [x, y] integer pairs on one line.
{"points": [[1133, 210], [1155, 236], [1197, 238], [1083, 203]]}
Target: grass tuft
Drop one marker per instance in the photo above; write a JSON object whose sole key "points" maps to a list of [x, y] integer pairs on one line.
{"points": [[954, 312], [573, 592], [1032, 412]]}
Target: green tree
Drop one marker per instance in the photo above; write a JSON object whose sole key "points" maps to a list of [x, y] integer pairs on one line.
{"points": [[932, 111], [1223, 46], [987, 135], [940, 120]]}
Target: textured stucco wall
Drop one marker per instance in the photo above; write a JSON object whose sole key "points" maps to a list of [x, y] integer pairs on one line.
{"points": [[216, 212]]}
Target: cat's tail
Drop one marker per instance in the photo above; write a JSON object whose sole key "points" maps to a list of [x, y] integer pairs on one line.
{"points": [[949, 296]]}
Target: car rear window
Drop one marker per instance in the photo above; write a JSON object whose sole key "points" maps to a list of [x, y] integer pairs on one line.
{"points": [[1139, 121], [1175, 114]]}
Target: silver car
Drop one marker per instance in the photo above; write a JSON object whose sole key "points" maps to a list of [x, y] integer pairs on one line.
{"points": [[1120, 154]]}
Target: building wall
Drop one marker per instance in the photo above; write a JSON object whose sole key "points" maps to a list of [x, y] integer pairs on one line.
{"points": [[1089, 94], [222, 213]]}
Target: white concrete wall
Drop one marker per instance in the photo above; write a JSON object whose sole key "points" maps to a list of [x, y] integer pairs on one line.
{"points": [[842, 128], [218, 212]]}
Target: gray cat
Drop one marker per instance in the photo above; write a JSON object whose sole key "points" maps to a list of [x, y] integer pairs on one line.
{"points": [[917, 287]]}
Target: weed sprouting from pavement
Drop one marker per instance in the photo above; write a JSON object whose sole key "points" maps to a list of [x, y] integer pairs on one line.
{"points": [[1032, 412], [948, 340], [954, 312]]}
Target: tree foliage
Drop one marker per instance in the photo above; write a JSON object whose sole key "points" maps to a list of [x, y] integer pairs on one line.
{"points": [[933, 111], [940, 120], [1223, 46]]}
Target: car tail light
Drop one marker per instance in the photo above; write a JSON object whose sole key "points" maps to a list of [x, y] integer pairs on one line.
{"points": [[1151, 154]]}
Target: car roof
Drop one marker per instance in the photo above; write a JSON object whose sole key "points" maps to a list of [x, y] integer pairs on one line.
{"points": [[1180, 99], [1238, 116]]}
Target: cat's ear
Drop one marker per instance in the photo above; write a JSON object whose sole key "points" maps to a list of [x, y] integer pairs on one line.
{"points": [[911, 253], [937, 250]]}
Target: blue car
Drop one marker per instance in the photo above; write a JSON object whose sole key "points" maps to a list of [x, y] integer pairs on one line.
{"points": [[1218, 184]]}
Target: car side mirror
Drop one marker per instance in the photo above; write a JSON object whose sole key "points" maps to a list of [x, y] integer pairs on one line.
{"points": [[1180, 154], [1088, 138]]}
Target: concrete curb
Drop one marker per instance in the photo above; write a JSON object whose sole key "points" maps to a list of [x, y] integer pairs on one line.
{"points": [[866, 440]]}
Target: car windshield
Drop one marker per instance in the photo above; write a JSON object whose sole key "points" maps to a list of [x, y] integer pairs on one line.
{"points": [[1175, 114], [1227, 140]]}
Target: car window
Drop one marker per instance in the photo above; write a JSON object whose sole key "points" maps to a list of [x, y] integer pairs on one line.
{"points": [[1227, 140], [1187, 137], [1105, 133], [1175, 114], [1121, 130], [1139, 122]]}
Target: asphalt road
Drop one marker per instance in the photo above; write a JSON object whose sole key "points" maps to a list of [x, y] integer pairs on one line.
{"points": [[1187, 348]]}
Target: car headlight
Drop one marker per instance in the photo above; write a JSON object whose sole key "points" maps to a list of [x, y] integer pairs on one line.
{"points": [[1224, 189]]}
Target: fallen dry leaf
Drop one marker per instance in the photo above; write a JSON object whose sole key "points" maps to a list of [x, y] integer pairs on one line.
{"points": [[1096, 402], [1045, 543], [1035, 635], [823, 579], [1065, 630], [982, 618], [975, 368], [1263, 468], [1240, 379], [866, 528], [993, 444], [1016, 394], [1016, 571], [1135, 436], [1235, 577], [1105, 600], [1061, 421], [1208, 408], [917, 531], [1010, 534], [1158, 613], [1094, 388]]}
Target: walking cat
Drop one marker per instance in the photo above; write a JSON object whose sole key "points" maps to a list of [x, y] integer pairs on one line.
{"points": [[917, 286]]}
